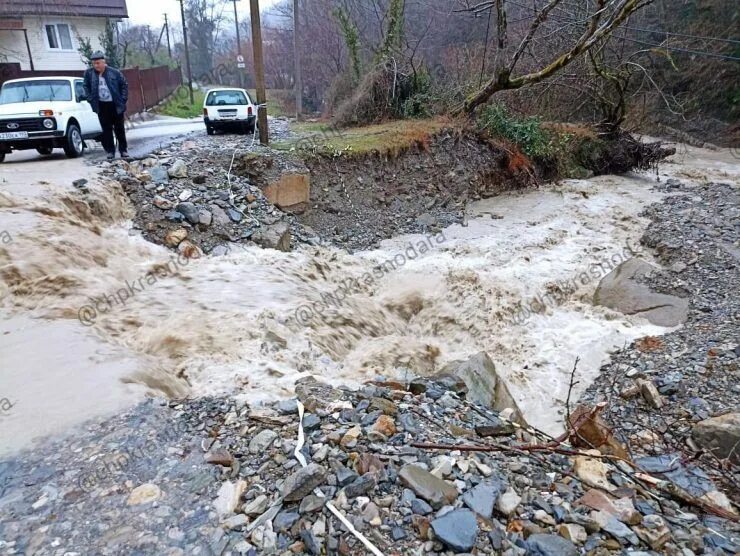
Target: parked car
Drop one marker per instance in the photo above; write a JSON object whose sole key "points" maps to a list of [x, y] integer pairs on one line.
{"points": [[229, 109], [45, 113]]}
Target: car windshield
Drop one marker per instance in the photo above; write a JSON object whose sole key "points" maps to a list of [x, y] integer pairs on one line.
{"points": [[35, 91], [221, 98]]}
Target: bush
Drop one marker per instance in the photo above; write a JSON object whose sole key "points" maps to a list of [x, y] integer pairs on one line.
{"points": [[527, 133]]}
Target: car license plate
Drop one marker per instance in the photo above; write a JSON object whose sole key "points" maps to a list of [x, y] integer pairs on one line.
{"points": [[14, 135]]}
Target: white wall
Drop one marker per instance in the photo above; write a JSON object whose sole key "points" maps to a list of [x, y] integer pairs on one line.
{"points": [[13, 45]]}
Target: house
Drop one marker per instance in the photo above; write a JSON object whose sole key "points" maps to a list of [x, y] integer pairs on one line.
{"points": [[45, 34]]}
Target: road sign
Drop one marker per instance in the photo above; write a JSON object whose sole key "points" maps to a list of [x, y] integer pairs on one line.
{"points": [[240, 59], [241, 65]]}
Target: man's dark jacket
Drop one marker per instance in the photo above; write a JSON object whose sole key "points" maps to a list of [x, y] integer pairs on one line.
{"points": [[116, 83]]}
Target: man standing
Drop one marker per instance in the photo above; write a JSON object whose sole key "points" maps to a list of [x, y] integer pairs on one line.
{"points": [[107, 91]]}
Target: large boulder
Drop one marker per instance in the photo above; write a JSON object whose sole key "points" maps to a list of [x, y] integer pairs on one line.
{"points": [[483, 383], [720, 435], [622, 291]]}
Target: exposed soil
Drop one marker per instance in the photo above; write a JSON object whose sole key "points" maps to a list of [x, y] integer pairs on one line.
{"points": [[358, 200]]}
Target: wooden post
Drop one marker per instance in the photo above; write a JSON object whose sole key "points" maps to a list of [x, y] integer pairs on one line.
{"points": [[297, 61], [259, 71], [187, 53], [167, 30]]}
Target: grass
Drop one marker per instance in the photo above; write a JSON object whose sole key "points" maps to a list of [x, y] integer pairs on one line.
{"points": [[277, 102], [391, 137], [178, 105]]}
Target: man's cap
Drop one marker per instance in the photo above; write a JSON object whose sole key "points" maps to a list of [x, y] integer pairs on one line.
{"points": [[98, 55]]}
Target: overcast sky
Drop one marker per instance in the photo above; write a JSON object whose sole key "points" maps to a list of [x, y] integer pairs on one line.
{"points": [[150, 12]]}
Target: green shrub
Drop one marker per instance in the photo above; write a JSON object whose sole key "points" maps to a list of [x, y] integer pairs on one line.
{"points": [[527, 133]]}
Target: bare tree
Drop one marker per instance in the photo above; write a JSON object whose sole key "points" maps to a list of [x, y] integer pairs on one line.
{"points": [[598, 22]]}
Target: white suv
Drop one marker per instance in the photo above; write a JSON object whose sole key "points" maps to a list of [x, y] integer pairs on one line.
{"points": [[229, 109], [45, 113]]}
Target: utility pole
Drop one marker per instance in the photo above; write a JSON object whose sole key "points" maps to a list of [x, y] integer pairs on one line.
{"points": [[167, 30], [259, 71], [297, 62], [187, 52], [238, 46]]}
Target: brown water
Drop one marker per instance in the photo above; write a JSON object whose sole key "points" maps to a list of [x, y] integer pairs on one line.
{"points": [[252, 322]]}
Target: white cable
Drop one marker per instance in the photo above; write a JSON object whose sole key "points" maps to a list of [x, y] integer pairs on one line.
{"points": [[302, 460]]}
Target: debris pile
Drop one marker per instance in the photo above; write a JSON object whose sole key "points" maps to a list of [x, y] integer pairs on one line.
{"points": [[207, 204], [417, 468]]}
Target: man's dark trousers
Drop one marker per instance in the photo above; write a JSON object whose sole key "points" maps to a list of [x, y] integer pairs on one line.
{"points": [[111, 121]]}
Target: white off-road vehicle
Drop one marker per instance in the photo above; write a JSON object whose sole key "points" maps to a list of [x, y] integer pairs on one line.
{"points": [[229, 109], [45, 113]]}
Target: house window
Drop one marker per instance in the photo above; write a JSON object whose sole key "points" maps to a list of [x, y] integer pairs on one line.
{"points": [[59, 36]]}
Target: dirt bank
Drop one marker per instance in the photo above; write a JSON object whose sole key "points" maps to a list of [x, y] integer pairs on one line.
{"points": [[358, 200]]}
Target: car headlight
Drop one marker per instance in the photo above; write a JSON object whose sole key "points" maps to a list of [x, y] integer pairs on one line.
{"points": [[48, 123]]}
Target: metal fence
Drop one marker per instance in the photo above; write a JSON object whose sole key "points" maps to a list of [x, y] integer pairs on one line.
{"points": [[146, 87]]}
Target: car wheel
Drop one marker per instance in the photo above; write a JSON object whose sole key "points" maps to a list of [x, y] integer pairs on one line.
{"points": [[45, 150], [74, 146], [2, 157], [210, 130], [251, 127]]}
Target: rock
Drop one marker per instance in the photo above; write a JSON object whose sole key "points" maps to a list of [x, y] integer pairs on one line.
{"points": [[495, 427], [162, 203], [262, 441], [219, 216], [614, 527], [174, 216], [189, 249], [143, 494], [189, 211], [419, 507], [199, 180], [302, 482], [360, 486], [483, 382], [573, 532], [220, 456], [349, 440], [622, 509], [178, 169], [621, 290], [285, 520], [310, 542], [457, 529], [483, 497], [185, 194], [386, 406], [256, 506], [236, 522], [654, 532], [311, 503], [385, 425], [720, 435], [550, 545], [277, 236], [204, 217], [508, 502], [650, 393], [228, 498], [290, 191], [432, 489], [592, 471], [159, 174], [175, 237], [234, 215]]}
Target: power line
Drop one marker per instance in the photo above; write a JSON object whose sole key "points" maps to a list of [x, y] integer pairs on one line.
{"points": [[686, 50], [731, 41]]}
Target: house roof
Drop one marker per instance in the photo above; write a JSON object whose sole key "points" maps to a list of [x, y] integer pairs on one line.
{"points": [[83, 8]]}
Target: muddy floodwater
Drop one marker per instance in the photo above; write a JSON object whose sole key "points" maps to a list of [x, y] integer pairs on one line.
{"points": [[94, 318]]}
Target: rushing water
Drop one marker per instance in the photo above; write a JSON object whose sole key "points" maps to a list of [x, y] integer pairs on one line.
{"points": [[251, 322]]}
